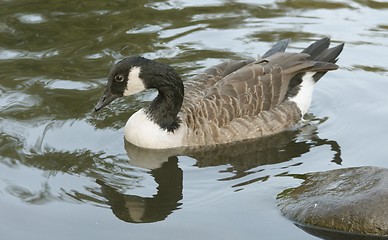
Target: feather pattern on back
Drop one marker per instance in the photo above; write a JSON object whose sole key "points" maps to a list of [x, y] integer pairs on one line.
{"points": [[242, 100]]}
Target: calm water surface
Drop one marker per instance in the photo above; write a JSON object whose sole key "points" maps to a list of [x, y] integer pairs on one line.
{"points": [[67, 173]]}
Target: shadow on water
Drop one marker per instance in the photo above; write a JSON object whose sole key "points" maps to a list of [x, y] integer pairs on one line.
{"points": [[329, 234]]}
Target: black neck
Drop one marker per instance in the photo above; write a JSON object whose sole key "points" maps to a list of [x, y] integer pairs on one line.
{"points": [[165, 107]]}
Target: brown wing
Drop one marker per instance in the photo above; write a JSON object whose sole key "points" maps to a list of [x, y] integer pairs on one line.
{"points": [[251, 89], [247, 91], [195, 89], [250, 100]]}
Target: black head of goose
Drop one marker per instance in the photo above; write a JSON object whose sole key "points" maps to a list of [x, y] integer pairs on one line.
{"points": [[230, 102]]}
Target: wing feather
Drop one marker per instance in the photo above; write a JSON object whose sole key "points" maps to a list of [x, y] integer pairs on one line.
{"points": [[195, 88], [238, 89], [239, 100]]}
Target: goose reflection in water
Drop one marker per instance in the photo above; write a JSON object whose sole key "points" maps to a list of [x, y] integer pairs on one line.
{"points": [[136, 209], [243, 156]]}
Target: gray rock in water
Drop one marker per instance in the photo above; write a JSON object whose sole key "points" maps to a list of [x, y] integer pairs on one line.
{"points": [[352, 200]]}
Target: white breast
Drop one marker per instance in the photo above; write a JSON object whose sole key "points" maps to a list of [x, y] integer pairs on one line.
{"points": [[143, 132]]}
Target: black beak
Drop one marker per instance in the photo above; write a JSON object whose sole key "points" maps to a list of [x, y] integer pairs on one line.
{"points": [[107, 98]]}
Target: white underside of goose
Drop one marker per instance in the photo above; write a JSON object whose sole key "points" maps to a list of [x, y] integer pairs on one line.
{"points": [[305, 94], [143, 132]]}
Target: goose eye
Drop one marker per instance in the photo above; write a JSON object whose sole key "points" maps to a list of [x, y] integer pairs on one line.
{"points": [[119, 78]]}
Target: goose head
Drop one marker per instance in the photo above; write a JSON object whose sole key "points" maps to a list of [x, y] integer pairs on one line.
{"points": [[135, 74], [123, 80]]}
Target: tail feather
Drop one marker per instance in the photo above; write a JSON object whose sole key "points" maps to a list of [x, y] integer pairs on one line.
{"points": [[315, 49], [301, 85], [293, 63], [330, 54], [324, 57], [320, 67], [280, 46]]}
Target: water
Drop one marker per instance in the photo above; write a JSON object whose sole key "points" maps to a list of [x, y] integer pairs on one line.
{"points": [[65, 171]]}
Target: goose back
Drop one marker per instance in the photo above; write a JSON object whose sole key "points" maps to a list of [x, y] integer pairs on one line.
{"points": [[195, 88], [248, 102]]}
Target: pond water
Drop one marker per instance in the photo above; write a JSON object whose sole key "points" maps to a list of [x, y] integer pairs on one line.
{"points": [[66, 171]]}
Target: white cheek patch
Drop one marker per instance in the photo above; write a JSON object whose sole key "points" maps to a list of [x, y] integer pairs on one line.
{"points": [[135, 84]]}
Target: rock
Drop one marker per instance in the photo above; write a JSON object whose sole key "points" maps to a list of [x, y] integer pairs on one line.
{"points": [[353, 200]]}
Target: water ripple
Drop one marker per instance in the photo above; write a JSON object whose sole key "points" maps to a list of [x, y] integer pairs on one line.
{"points": [[7, 54], [31, 18], [13, 101]]}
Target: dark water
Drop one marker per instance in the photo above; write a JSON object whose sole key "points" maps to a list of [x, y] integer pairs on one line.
{"points": [[64, 170]]}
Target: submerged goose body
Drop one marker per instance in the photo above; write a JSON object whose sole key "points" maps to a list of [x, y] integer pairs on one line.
{"points": [[230, 102]]}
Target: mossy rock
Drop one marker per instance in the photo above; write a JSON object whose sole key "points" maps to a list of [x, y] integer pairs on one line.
{"points": [[350, 200]]}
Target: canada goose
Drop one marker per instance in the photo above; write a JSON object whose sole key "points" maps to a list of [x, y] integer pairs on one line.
{"points": [[233, 101]]}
